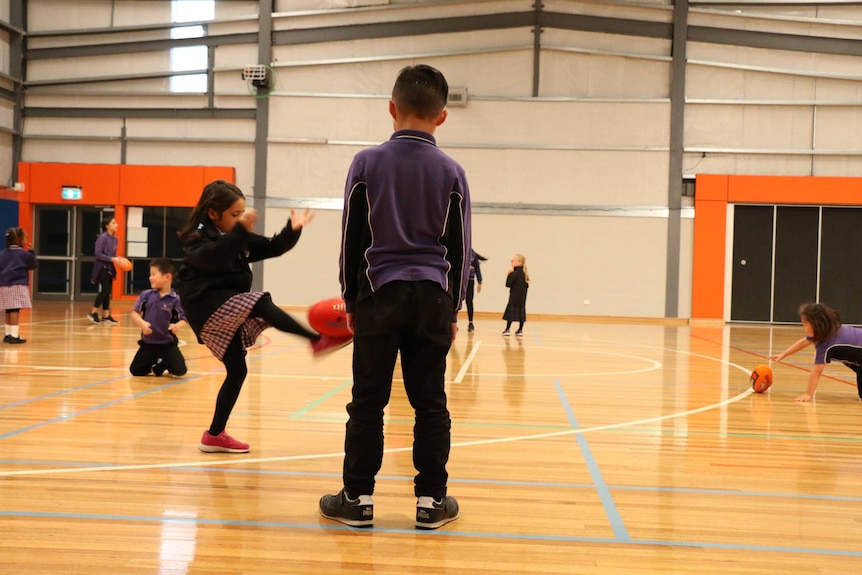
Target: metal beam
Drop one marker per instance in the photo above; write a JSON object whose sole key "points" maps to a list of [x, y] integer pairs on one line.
{"points": [[186, 113], [404, 28], [774, 41], [17, 69], [675, 157], [117, 78], [142, 46], [605, 25], [261, 133]]}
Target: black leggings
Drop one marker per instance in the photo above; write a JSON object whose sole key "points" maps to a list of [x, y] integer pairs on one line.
{"points": [[106, 281], [234, 359], [471, 285]]}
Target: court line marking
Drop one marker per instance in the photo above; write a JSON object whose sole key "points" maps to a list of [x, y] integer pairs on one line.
{"points": [[600, 486], [460, 377], [448, 534], [493, 441], [340, 454]]}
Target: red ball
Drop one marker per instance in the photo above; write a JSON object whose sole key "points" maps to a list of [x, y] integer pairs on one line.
{"points": [[329, 317], [761, 378], [124, 264]]}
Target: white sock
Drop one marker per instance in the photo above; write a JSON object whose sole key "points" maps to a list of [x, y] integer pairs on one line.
{"points": [[8, 329], [14, 330]]}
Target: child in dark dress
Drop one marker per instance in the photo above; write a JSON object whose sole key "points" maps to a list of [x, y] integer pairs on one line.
{"points": [[518, 282]]}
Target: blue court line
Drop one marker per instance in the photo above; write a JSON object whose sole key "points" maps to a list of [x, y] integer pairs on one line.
{"points": [[442, 533], [109, 403], [501, 482], [61, 392], [480, 481], [614, 517], [93, 408]]}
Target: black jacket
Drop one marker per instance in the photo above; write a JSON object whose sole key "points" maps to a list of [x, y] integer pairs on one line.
{"points": [[216, 267]]}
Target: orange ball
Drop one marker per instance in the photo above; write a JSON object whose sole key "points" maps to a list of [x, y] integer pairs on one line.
{"points": [[761, 378], [124, 264], [329, 317]]}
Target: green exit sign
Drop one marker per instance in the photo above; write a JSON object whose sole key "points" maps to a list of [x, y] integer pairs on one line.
{"points": [[71, 193]]}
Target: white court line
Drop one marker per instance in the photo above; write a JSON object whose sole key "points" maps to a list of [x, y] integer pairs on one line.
{"points": [[235, 461], [467, 362], [578, 431]]}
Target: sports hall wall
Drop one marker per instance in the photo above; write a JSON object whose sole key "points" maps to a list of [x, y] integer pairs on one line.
{"points": [[586, 121]]}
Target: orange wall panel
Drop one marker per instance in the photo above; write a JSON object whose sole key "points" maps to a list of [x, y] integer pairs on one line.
{"points": [[167, 185], [213, 173], [794, 190], [712, 187], [710, 236], [100, 183]]}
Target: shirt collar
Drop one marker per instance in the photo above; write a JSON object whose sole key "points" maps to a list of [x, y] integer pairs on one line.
{"points": [[414, 135]]}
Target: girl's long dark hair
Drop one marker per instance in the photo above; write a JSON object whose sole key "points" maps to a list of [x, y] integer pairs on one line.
{"points": [[479, 256], [218, 195], [824, 320]]}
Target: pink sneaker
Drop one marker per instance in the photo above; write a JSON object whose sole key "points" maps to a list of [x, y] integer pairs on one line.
{"points": [[221, 443], [328, 344]]}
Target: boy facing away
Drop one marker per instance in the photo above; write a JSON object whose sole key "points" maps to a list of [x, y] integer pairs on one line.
{"points": [[404, 266], [159, 314]]}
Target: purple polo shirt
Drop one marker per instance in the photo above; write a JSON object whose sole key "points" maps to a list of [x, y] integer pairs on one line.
{"points": [[847, 335], [159, 311], [410, 184]]}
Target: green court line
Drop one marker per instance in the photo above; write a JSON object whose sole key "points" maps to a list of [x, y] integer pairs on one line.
{"points": [[320, 400]]}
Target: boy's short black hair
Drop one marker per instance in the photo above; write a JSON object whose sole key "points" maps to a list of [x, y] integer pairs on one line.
{"points": [[420, 91], [164, 265]]}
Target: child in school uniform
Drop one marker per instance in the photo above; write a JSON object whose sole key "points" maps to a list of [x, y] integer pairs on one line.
{"points": [[214, 283], [474, 285], [16, 261], [160, 315], [831, 340], [403, 284], [518, 282], [104, 271]]}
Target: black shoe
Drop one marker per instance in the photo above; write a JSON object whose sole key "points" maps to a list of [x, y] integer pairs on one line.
{"points": [[110, 319], [94, 317], [358, 512], [431, 514], [13, 339], [159, 369], [470, 327]]}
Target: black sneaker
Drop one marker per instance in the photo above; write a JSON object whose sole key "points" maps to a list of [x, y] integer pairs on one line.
{"points": [[431, 514], [13, 339], [470, 327], [159, 369], [110, 319], [357, 512], [94, 317]]}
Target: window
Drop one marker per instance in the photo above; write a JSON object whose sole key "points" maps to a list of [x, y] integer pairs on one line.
{"points": [[190, 57], [160, 225]]}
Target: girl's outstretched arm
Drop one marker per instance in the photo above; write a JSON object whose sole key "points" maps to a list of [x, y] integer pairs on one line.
{"points": [[798, 346]]}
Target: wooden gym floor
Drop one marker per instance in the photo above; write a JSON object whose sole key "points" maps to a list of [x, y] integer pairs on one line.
{"points": [[589, 447]]}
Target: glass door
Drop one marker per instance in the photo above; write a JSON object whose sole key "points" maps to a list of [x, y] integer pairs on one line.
{"points": [[65, 242], [52, 241], [88, 227]]}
